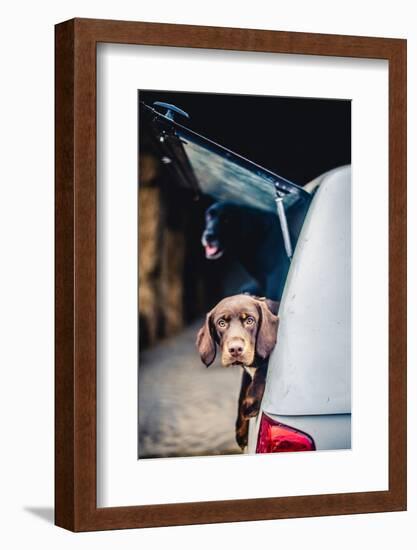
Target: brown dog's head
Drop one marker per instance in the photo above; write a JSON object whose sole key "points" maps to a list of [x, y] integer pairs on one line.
{"points": [[242, 326]]}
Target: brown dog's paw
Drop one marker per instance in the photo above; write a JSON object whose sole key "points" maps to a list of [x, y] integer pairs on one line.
{"points": [[242, 431], [250, 407], [242, 437]]}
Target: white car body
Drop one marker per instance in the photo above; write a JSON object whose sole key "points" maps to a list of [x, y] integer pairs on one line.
{"points": [[308, 385]]}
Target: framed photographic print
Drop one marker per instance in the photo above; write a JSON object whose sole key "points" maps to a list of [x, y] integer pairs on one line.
{"points": [[230, 275]]}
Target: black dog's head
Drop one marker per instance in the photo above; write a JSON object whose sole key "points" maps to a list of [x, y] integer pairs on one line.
{"points": [[214, 238]]}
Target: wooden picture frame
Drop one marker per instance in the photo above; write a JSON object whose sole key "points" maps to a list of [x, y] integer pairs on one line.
{"points": [[75, 374]]}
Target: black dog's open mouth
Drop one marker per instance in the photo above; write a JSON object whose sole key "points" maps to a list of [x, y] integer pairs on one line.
{"points": [[213, 252], [213, 249]]}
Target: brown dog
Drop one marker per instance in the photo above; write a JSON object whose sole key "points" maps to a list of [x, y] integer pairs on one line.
{"points": [[245, 329]]}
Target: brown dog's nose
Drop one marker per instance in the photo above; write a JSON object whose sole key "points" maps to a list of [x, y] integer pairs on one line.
{"points": [[235, 349]]}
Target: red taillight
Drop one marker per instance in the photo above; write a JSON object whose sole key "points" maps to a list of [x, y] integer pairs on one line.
{"points": [[275, 437]]}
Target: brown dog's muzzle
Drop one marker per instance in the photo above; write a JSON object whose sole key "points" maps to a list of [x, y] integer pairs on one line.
{"points": [[237, 348]]}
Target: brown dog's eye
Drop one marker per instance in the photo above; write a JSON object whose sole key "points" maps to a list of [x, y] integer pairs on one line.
{"points": [[250, 320], [221, 323]]}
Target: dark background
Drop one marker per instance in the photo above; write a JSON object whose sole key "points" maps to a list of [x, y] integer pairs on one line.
{"points": [[297, 138]]}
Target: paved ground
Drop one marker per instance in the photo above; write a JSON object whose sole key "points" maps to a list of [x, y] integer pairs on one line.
{"points": [[185, 409]]}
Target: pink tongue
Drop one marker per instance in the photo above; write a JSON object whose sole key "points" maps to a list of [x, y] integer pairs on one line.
{"points": [[211, 250]]}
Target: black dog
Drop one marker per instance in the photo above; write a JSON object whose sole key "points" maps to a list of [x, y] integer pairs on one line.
{"points": [[254, 238]]}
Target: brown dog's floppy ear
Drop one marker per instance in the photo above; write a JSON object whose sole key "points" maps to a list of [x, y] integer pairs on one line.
{"points": [[205, 342], [267, 331]]}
